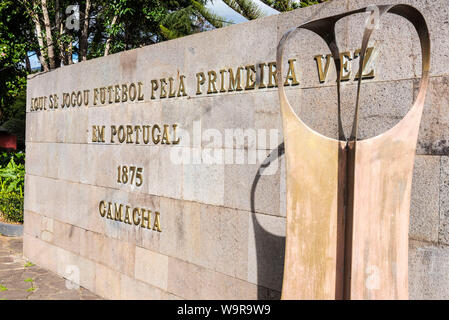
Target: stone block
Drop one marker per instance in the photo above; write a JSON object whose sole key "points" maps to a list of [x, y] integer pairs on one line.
{"points": [[184, 279], [204, 182], [67, 236], [224, 238], [32, 223], [181, 229], [151, 267], [266, 247], [107, 282], [190, 281], [75, 268], [428, 271], [433, 134], [240, 179], [47, 229], [40, 252], [424, 205], [132, 289], [439, 32], [444, 202]]}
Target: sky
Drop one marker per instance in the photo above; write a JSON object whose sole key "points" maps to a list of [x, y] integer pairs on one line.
{"points": [[216, 6]]}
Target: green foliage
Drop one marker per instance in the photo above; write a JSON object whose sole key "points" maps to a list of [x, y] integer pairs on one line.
{"points": [[134, 23], [288, 5], [3, 288], [11, 206], [246, 8], [29, 264], [11, 187], [31, 281], [12, 177], [15, 39], [5, 158]]}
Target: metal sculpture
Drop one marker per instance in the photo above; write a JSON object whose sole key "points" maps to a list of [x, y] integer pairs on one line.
{"points": [[348, 200]]}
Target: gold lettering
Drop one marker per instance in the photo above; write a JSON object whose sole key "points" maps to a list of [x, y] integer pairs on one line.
{"points": [[127, 214], [157, 222], [121, 134], [163, 91], [171, 93], [103, 95], [165, 135], [118, 212], [109, 215], [199, 82], [250, 74], [146, 139], [124, 93], [154, 87], [132, 92], [117, 93], [129, 134], [79, 98], [113, 133], [291, 75], [211, 83], [98, 134], [234, 82], [222, 82], [272, 82], [366, 62], [94, 134], [147, 218], [345, 71], [136, 211], [102, 211], [72, 100], [261, 79], [181, 89], [110, 94], [176, 139], [86, 97], [156, 141], [140, 96], [137, 129], [322, 73]]}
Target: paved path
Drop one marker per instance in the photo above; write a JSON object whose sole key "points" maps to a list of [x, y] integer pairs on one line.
{"points": [[20, 279]]}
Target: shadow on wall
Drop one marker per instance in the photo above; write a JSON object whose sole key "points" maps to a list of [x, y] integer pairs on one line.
{"points": [[270, 248]]}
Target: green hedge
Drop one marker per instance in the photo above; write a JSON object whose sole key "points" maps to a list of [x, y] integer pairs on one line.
{"points": [[11, 206], [12, 174]]}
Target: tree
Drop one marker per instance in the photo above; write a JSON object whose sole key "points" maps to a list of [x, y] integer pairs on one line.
{"points": [[288, 5], [15, 36], [246, 8], [103, 27], [251, 11]]}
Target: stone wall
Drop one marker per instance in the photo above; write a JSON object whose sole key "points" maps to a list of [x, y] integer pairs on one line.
{"points": [[223, 226]]}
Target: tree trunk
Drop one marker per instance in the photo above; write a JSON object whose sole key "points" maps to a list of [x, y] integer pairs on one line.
{"points": [[27, 63], [51, 52], [84, 33], [70, 52], [58, 56], [62, 53], [108, 41], [40, 40]]}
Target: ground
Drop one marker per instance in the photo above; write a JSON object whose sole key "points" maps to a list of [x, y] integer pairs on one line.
{"points": [[21, 279]]}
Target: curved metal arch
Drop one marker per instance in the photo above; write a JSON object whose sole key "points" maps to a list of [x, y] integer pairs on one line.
{"points": [[348, 200]]}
